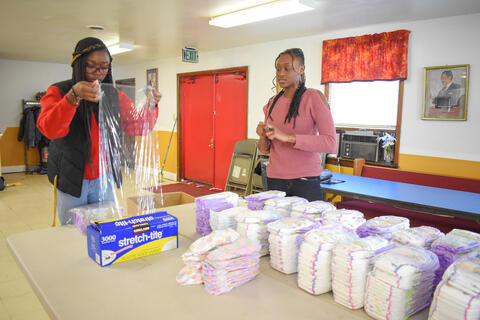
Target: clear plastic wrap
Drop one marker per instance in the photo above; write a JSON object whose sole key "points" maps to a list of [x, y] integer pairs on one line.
{"points": [[83, 216], [129, 160]]}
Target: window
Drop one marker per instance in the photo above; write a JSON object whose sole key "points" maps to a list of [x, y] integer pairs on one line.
{"points": [[374, 108], [371, 104]]}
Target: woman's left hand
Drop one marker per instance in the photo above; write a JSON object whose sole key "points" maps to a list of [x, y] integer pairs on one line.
{"points": [[275, 133], [153, 96]]}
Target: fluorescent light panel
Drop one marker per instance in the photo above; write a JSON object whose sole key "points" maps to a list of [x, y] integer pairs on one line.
{"points": [[120, 48], [262, 12]]}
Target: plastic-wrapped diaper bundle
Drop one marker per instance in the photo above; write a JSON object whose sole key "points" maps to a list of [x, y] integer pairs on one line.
{"points": [[401, 283], [454, 245], [315, 257], [458, 294], [85, 215], [217, 202], [283, 205], [285, 238], [224, 219], [230, 266], [253, 225], [419, 236], [383, 226], [349, 219], [256, 201], [312, 210], [351, 263], [191, 273]]}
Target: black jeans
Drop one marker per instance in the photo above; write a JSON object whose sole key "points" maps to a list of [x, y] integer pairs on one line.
{"points": [[308, 187]]}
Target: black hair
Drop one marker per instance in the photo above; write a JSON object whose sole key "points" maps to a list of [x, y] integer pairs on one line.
{"points": [[295, 104], [448, 73], [83, 48]]}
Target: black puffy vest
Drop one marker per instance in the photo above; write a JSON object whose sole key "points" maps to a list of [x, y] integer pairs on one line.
{"points": [[68, 156]]}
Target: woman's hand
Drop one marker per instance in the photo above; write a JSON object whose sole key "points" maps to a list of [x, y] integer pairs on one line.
{"points": [[89, 91], [261, 129], [275, 133], [153, 97]]}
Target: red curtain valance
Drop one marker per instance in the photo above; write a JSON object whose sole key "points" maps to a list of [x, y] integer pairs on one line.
{"points": [[379, 56]]}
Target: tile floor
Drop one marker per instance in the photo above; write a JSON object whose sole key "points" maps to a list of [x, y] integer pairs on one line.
{"points": [[23, 208]]}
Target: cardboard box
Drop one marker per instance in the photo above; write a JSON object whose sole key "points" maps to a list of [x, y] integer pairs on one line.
{"points": [[136, 205], [129, 238]]}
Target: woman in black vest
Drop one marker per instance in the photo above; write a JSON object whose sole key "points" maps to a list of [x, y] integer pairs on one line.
{"points": [[70, 118]]}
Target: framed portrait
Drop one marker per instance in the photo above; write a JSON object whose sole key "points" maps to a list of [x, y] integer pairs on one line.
{"points": [[445, 92], [152, 78]]}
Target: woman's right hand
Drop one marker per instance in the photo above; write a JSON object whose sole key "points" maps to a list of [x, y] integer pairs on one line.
{"points": [[89, 91], [262, 129]]}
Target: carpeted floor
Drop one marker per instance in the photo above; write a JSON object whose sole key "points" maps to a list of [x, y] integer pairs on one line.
{"points": [[193, 189]]}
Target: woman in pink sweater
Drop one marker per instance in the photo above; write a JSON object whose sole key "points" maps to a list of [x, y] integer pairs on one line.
{"points": [[298, 127]]}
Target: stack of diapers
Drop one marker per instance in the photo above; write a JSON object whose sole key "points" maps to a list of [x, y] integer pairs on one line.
{"points": [[315, 257], [349, 219], [351, 263], [312, 210], [457, 243], [401, 283], [252, 225], [283, 205], [230, 266], [191, 273], [419, 236], [458, 294], [285, 238], [383, 226], [217, 202], [85, 215], [225, 219], [257, 201]]}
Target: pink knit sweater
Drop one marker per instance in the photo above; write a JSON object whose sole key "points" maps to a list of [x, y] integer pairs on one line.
{"points": [[314, 131]]}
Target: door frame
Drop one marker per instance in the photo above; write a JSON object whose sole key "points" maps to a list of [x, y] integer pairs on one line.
{"points": [[180, 76]]}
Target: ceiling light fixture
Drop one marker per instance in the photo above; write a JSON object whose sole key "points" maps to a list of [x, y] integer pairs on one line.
{"points": [[121, 47], [262, 12]]}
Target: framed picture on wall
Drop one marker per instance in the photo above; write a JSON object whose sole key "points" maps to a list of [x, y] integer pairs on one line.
{"points": [[445, 92], [152, 78]]}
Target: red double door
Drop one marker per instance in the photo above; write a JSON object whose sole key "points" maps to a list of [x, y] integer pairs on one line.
{"points": [[213, 118]]}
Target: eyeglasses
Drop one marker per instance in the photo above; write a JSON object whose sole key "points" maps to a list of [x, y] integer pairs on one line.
{"points": [[93, 69]]}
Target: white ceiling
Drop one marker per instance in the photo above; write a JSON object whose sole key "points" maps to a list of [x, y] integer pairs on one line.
{"points": [[47, 30]]}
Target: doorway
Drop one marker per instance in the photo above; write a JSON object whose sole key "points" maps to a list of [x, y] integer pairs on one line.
{"points": [[212, 109]]}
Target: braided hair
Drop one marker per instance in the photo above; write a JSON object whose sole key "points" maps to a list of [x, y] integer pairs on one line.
{"points": [[85, 109], [295, 104]]}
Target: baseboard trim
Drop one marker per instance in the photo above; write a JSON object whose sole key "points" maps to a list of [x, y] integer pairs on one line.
{"points": [[170, 176], [23, 168]]}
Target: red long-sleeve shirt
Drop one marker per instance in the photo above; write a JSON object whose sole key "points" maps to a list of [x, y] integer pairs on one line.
{"points": [[57, 113]]}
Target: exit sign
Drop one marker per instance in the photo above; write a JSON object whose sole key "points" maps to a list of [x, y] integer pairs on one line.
{"points": [[190, 55]]}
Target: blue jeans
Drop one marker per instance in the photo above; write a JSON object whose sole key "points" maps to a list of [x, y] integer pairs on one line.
{"points": [[91, 193], [308, 187]]}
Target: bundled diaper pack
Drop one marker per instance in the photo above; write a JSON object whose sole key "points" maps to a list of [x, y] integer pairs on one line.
{"points": [[383, 226], [349, 219], [458, 294], [315, 257], [312, 210], [419, 236], [252, 224], [120, 240], [351, 263], [456, 244], [283, 205], [256, 201], [285, 238], [217, 202], [401, 283]]}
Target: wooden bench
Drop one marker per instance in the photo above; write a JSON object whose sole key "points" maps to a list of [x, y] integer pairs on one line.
{"points": [[417, 218]]}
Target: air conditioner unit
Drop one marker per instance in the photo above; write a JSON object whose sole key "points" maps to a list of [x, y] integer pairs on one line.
{"points": [[360, 144]]}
